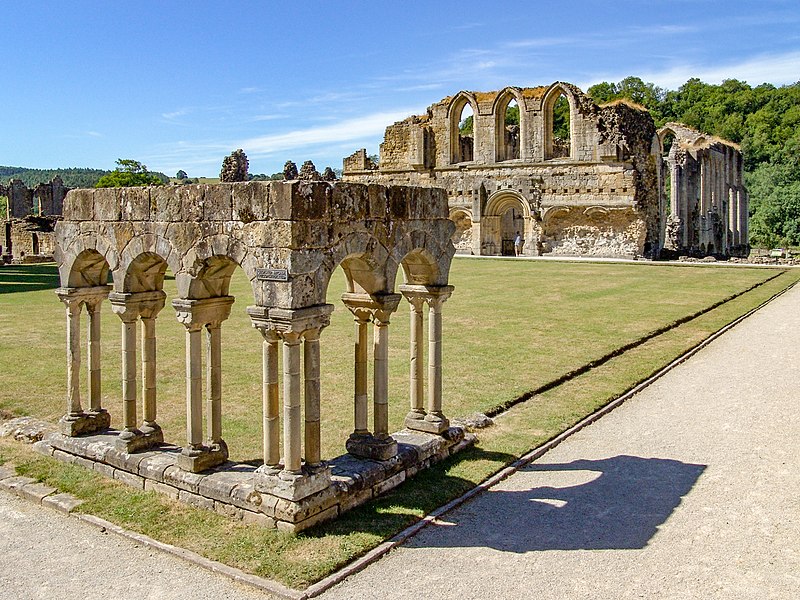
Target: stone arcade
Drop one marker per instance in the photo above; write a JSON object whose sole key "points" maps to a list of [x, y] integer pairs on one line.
{"points": [[288, 237], [599, 192]]}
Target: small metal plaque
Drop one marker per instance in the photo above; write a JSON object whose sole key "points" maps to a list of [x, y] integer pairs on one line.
{"points": [[272, 274]]}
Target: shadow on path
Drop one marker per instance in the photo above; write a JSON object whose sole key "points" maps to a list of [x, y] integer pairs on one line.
{"points": [[613, 503]]}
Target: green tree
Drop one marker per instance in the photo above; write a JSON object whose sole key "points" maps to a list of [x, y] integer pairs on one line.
{"points": [[181, 175], [129, 173]]}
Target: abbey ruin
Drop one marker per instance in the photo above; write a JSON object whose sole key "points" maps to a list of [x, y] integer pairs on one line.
{"points": [[27, 234], [609, 185]]}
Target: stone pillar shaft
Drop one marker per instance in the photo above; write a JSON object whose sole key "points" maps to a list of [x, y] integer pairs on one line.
{"points": [[311, 374], [270, 398], [380, 391], [194, 388], [149, 371], [292, 423], [74, 358], [129, 375], [214, 383], [93, 356], [361, 399], [417, 369], [435, 359]]}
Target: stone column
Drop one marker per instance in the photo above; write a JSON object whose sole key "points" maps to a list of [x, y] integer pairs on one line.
{"points": [[270, 400], [432, 420], [295, 478], [214, 383], [360, 394], [417, 368], [75, 421], [130, 307], [311, 396], [379, 445], [199, 455], [93, 357], [291, 401], [129, 430]]}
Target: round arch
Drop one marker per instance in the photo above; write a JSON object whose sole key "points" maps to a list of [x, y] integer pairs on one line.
{"points": [[508, 214]]}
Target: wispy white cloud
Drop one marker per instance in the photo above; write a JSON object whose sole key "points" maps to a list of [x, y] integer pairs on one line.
{"points": [[352, 129], [94, 134], [773, 68], [175, 114], [268, 117]]}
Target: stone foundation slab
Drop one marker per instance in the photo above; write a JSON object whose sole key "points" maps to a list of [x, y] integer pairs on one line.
{"points": [[239, 491]]}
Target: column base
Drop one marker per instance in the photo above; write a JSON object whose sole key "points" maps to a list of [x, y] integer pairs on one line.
{"points": [[368, 446], [292, 486], [432, 423], [197, 460], [91, 422], [136, 440]]}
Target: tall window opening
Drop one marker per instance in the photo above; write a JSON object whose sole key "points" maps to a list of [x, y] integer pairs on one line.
{"points": [[464, 150], [667, 161], [560, 128], [508, 132]]}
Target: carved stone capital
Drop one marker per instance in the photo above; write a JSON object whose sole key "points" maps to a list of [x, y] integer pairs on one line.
{"points": [[378, 306], [194, 314], [279, 322], [74, 297], [132, 305]]}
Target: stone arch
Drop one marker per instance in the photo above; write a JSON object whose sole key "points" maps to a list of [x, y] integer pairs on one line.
{"points": [[145, 273], [213, 278], [88, 269], [361, 257], [507, 213], [504, 149], [156, 248], [462, 236], [549, 100], [423, 259], [457, 105]]}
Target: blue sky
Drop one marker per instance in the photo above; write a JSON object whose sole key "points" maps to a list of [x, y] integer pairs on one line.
{"points": [[179, 85]]}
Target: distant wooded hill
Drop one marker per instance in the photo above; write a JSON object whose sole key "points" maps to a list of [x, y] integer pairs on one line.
{"points": [[72, 178]]}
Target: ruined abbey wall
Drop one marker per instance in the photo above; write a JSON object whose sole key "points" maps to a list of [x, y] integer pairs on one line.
{"points": [[27, 233], [599, 192]]}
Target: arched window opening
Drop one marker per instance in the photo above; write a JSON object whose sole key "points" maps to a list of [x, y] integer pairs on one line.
{"points": [[508, 131], [667, 164], [560, 128], [465, 148]]}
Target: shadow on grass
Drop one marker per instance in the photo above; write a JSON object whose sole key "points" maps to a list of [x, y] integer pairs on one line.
{"points": [[612, 503], [28, 278], [413, 499]]}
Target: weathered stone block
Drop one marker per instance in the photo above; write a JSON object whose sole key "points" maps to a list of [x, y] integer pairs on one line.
{"points": [[165, 203], [107, 204], [129, 479], [387, 484], [64, 503], [13, 484], [36, 492], [218, 202], [79, 205], [161, 488], [135, 203], [282, 195], [192, 202], [311, 200], [195, 500], [184, 480], [251, 201]]}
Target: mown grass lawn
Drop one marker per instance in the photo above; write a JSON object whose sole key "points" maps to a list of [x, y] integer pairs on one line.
{"points": [[510, 327]]}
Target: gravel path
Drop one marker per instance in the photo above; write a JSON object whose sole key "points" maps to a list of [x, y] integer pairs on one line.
{"points": [[688, 490], [46, 555]]}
